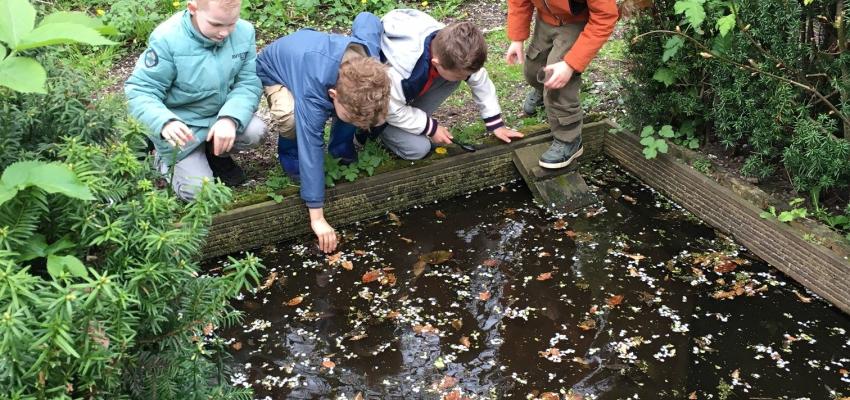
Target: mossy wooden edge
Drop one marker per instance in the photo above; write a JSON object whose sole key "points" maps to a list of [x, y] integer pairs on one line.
{"points": [[816, 267], [268, 222]]}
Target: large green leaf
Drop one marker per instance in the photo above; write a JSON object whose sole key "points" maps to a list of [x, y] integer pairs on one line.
{"points": [[17, 17], [61, 33], [57, 178], [7, 193], [52, 178], [725, 24], [665, 76], [2, 52], [693, 10], [60, 245], [671, 47], [57, 264], [36, 248], [79, 18], [22, 74]]}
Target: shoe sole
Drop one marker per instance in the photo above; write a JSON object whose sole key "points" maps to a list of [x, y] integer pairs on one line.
{"points": [[562, 164]]}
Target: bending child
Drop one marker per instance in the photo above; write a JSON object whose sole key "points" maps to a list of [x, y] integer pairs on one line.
{"points": [[196, 89], [428, 60], [309, 77], [567, 36]]}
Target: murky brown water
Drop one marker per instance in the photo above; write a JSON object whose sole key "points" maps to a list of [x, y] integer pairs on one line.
{"points": [[631, 298]]}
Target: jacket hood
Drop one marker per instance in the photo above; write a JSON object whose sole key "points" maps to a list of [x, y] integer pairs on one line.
{"points": [[404, 36]]}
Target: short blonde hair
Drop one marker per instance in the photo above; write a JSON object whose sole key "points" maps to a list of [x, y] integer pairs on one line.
{"points": [[227, 4], [363, 88]]}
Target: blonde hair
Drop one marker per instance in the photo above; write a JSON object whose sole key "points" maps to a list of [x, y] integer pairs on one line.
{"points": [[227, 4], [363, 88]]}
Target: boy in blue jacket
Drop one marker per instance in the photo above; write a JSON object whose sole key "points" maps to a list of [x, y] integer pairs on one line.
{"points": [[196, 89], [309, 77], [428, 60]]}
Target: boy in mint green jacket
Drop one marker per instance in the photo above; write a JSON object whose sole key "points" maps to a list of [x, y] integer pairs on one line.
{"points": [[196, 89]]}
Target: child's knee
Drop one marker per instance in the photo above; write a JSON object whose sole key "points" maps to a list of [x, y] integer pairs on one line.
{"points": [[282, 110], [415, 150], [253, 134]]}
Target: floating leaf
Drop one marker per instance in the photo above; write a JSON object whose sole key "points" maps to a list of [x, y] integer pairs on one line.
{"points": [[394, 218], [419, 267], [553, 352], [464, 341], [491, 262], [447, 382], [544, 276], [550, 396], [328, 364], [587, 324], [406, 240], [360, 253], [440, 214], [372, 275], [457, 324], [630, 199], [295, 301], [269, 281], [484, 296], [725, 267], [427, 328], [571, 234], [802, 298], [387, 279], [544, 254], [334, 258], [559, 225], [615, 300], [347, 265]]}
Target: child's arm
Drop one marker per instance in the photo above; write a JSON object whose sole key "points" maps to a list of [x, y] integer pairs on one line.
{"points": [[146, 88], [484, 93], [407, 118], [519, 19], [600, 25], [242, 101]]}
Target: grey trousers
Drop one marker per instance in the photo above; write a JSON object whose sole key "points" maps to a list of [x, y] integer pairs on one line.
{"points": [[190, 172], [549, 44], [410, 146]]}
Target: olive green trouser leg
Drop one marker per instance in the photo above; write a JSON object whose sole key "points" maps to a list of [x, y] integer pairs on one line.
{"points": [[548, 45]]}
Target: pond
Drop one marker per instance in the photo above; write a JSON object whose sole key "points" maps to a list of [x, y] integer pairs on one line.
{"points": [[491, 296]]}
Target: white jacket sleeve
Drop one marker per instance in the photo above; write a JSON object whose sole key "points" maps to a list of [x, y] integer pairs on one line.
{"points": [[405, 117], [484, 93]]}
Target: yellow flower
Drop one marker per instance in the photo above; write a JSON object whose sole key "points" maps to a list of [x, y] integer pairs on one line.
{"points": [[425, 3], [364, 1], [440, 150], [100, 12], [176, 4]]}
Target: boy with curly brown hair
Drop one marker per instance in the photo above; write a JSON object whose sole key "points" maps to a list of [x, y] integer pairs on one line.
{"points": [[310, 77]]}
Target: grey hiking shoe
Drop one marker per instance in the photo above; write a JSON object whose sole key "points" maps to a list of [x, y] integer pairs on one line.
{"points": [[533, 101], [561, 154]]}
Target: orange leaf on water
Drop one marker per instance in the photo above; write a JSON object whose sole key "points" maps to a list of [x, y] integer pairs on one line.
{"points": [[295, 301], [440, 214], [550, 396], [615, 300], [484, 296], [371, 275], [587, 325], [447, 382], [347, 265], [544, 276], [334, 258], [328, 364], [559, 225], [464, 341], [491, 262]]}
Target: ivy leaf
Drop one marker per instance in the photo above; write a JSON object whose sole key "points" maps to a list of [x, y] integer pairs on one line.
{"points": [[17, 17], [661, 146], [693, 10], [647, 141], [22, 74], [725, 24], [665, 76], [650, 153], [647, 131], [667, 131], [693, 144], [671, 47]]}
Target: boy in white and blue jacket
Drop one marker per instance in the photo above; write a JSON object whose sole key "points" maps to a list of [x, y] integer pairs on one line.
{"points": [[428, 60]]}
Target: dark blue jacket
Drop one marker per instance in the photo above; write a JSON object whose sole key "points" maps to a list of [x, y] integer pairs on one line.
{"points": [[307, 63]]}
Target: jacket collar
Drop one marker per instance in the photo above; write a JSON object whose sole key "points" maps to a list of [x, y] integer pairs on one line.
{"points": [[196, 35]]}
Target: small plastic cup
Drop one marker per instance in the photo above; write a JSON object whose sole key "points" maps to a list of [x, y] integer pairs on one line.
{"points": [[543, 75]]}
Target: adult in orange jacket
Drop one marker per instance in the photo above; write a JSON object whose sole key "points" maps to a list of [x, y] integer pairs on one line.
{"points": [[567, 36]]}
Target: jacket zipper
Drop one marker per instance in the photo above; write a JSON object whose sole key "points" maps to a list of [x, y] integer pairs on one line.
{"points": [[546, 4]]}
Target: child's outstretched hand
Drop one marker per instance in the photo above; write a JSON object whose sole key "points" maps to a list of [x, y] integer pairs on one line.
{"points": [[561, 74], [505, 134], [223, 134], [442, 136], [514, 54]]}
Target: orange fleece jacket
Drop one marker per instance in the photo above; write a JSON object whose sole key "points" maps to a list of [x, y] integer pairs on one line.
{"points": [[601, 16]]}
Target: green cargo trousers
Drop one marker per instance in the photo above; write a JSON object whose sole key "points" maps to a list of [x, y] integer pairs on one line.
{"points": [[549, 44]]}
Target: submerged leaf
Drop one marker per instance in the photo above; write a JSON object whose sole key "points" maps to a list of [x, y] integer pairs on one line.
{"points": [[295, 301]]}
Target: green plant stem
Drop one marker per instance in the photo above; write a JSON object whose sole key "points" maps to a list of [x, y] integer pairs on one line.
{"points": [[705, 49]]}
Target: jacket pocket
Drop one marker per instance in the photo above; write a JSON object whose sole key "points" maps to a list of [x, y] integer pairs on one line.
{"points": [[532, 53]]}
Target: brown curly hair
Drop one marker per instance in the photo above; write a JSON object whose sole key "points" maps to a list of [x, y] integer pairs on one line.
{"points": [[460, 46], [363, 88]]}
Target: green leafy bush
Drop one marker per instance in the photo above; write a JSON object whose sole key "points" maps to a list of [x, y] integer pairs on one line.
{"points": [[136, 19], [749, 74]]}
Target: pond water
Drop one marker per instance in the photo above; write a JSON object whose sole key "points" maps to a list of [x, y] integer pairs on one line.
{"points": [[491, 296]]}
